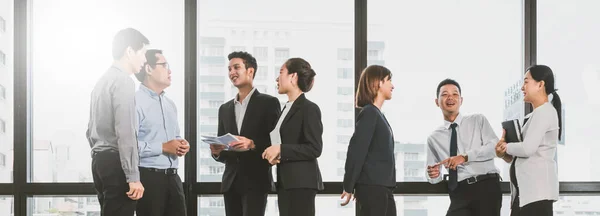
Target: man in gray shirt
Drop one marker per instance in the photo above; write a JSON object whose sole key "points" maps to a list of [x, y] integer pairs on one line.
{"points": [[112, 129]]}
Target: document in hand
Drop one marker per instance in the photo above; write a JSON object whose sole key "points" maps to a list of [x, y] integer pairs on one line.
{"points": [[222, 140], [513, 131]]}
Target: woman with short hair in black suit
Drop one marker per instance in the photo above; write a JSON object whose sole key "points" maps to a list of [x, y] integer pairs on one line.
{"points": [[370, 163]]}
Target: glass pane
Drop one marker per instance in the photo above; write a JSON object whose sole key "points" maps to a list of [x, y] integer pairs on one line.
{"points": [[64, 205], [7, 206], [567, 41], [477, 43], [406, 205], [6, 90], [325, 205], [70, 55], [273, 35]]}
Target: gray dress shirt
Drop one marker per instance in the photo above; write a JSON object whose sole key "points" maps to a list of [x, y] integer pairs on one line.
{"points": [[112, 125]]}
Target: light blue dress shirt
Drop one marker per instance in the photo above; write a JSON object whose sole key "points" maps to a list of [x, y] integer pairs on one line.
{"points": [[157, 117]]}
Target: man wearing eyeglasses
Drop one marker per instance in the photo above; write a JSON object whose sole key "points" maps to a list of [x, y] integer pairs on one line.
{"points": [[159, 141]]}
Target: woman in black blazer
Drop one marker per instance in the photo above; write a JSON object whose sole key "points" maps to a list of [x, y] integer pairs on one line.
{"points": [[370, 163], [297, 142]]}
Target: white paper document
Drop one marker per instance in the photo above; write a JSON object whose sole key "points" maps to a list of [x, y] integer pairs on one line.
{"points": [[222, 140]]}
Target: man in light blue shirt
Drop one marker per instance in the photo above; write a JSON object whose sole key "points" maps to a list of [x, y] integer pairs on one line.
{"points": [[159, 141]]}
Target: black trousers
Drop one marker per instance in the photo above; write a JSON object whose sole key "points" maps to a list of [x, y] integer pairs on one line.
{"points": [[296, 202], [538, 208], [242, 200], [375, 200], [111, 185], [163, 195], [483, 198]]}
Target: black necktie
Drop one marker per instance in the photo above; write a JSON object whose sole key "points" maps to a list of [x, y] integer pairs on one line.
{"points": [[453, 181]]}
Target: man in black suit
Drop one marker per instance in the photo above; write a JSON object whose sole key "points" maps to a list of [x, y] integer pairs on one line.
{"points": [[251, 115]]}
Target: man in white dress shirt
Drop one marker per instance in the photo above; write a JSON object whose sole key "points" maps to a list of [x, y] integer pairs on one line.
{"points": [[465, 146]]}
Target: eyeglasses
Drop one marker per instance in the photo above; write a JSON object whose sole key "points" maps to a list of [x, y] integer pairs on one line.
{"points": [[164, 64]]}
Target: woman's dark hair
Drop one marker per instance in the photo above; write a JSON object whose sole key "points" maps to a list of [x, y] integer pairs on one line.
{"points": [[303, 70], [368, 84], [544, 73]]}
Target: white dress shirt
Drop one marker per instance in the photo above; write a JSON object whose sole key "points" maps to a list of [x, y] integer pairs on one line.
{"points": [[475, 137], [240, 109], [535, 168], [275, 134]]}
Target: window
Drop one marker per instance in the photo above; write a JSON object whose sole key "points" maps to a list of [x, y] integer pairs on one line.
{"points": [[50, 127], [345, 73], [215, 104], [6, 205], [261, 53], [2, 58], [373, 55], [344, 54], [216, 51], [238, 48], [282, 54], [2, 126], [409, 156], [452, 40], [2, 25], [216, 170], [261, 73], [345, 107], [345, 123], [567, 41], [314, 38], [345, 90], [2, 159], [2, 93], [211, 88], [276, 71], [92, 201], [261, 88], [343, 139], [217, 203], [341, 155], [324, 204], [6, 98], [411, 172]]}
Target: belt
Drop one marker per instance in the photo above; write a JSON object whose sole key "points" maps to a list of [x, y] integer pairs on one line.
{"points": [[475, 179], [169, 171]]}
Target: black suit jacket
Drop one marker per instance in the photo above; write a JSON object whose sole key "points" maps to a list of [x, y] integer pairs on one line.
{"points": [[370, 159], [259, 120], [301, 144]]}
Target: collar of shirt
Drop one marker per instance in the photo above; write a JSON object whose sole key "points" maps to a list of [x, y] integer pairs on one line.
{"points": [[118, 67], [246, 100], [150, 92], [458, 120]]}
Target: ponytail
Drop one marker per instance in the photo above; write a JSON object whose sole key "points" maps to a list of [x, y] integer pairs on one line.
{"points": [[558, 106]]}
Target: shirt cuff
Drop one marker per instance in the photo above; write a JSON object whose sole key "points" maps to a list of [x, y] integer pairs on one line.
{"points": [[133, 177]]}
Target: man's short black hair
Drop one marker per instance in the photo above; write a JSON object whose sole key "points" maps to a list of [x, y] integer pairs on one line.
{"points": [[151, 59], [248, 59], [446, 82], [128, 37]]}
